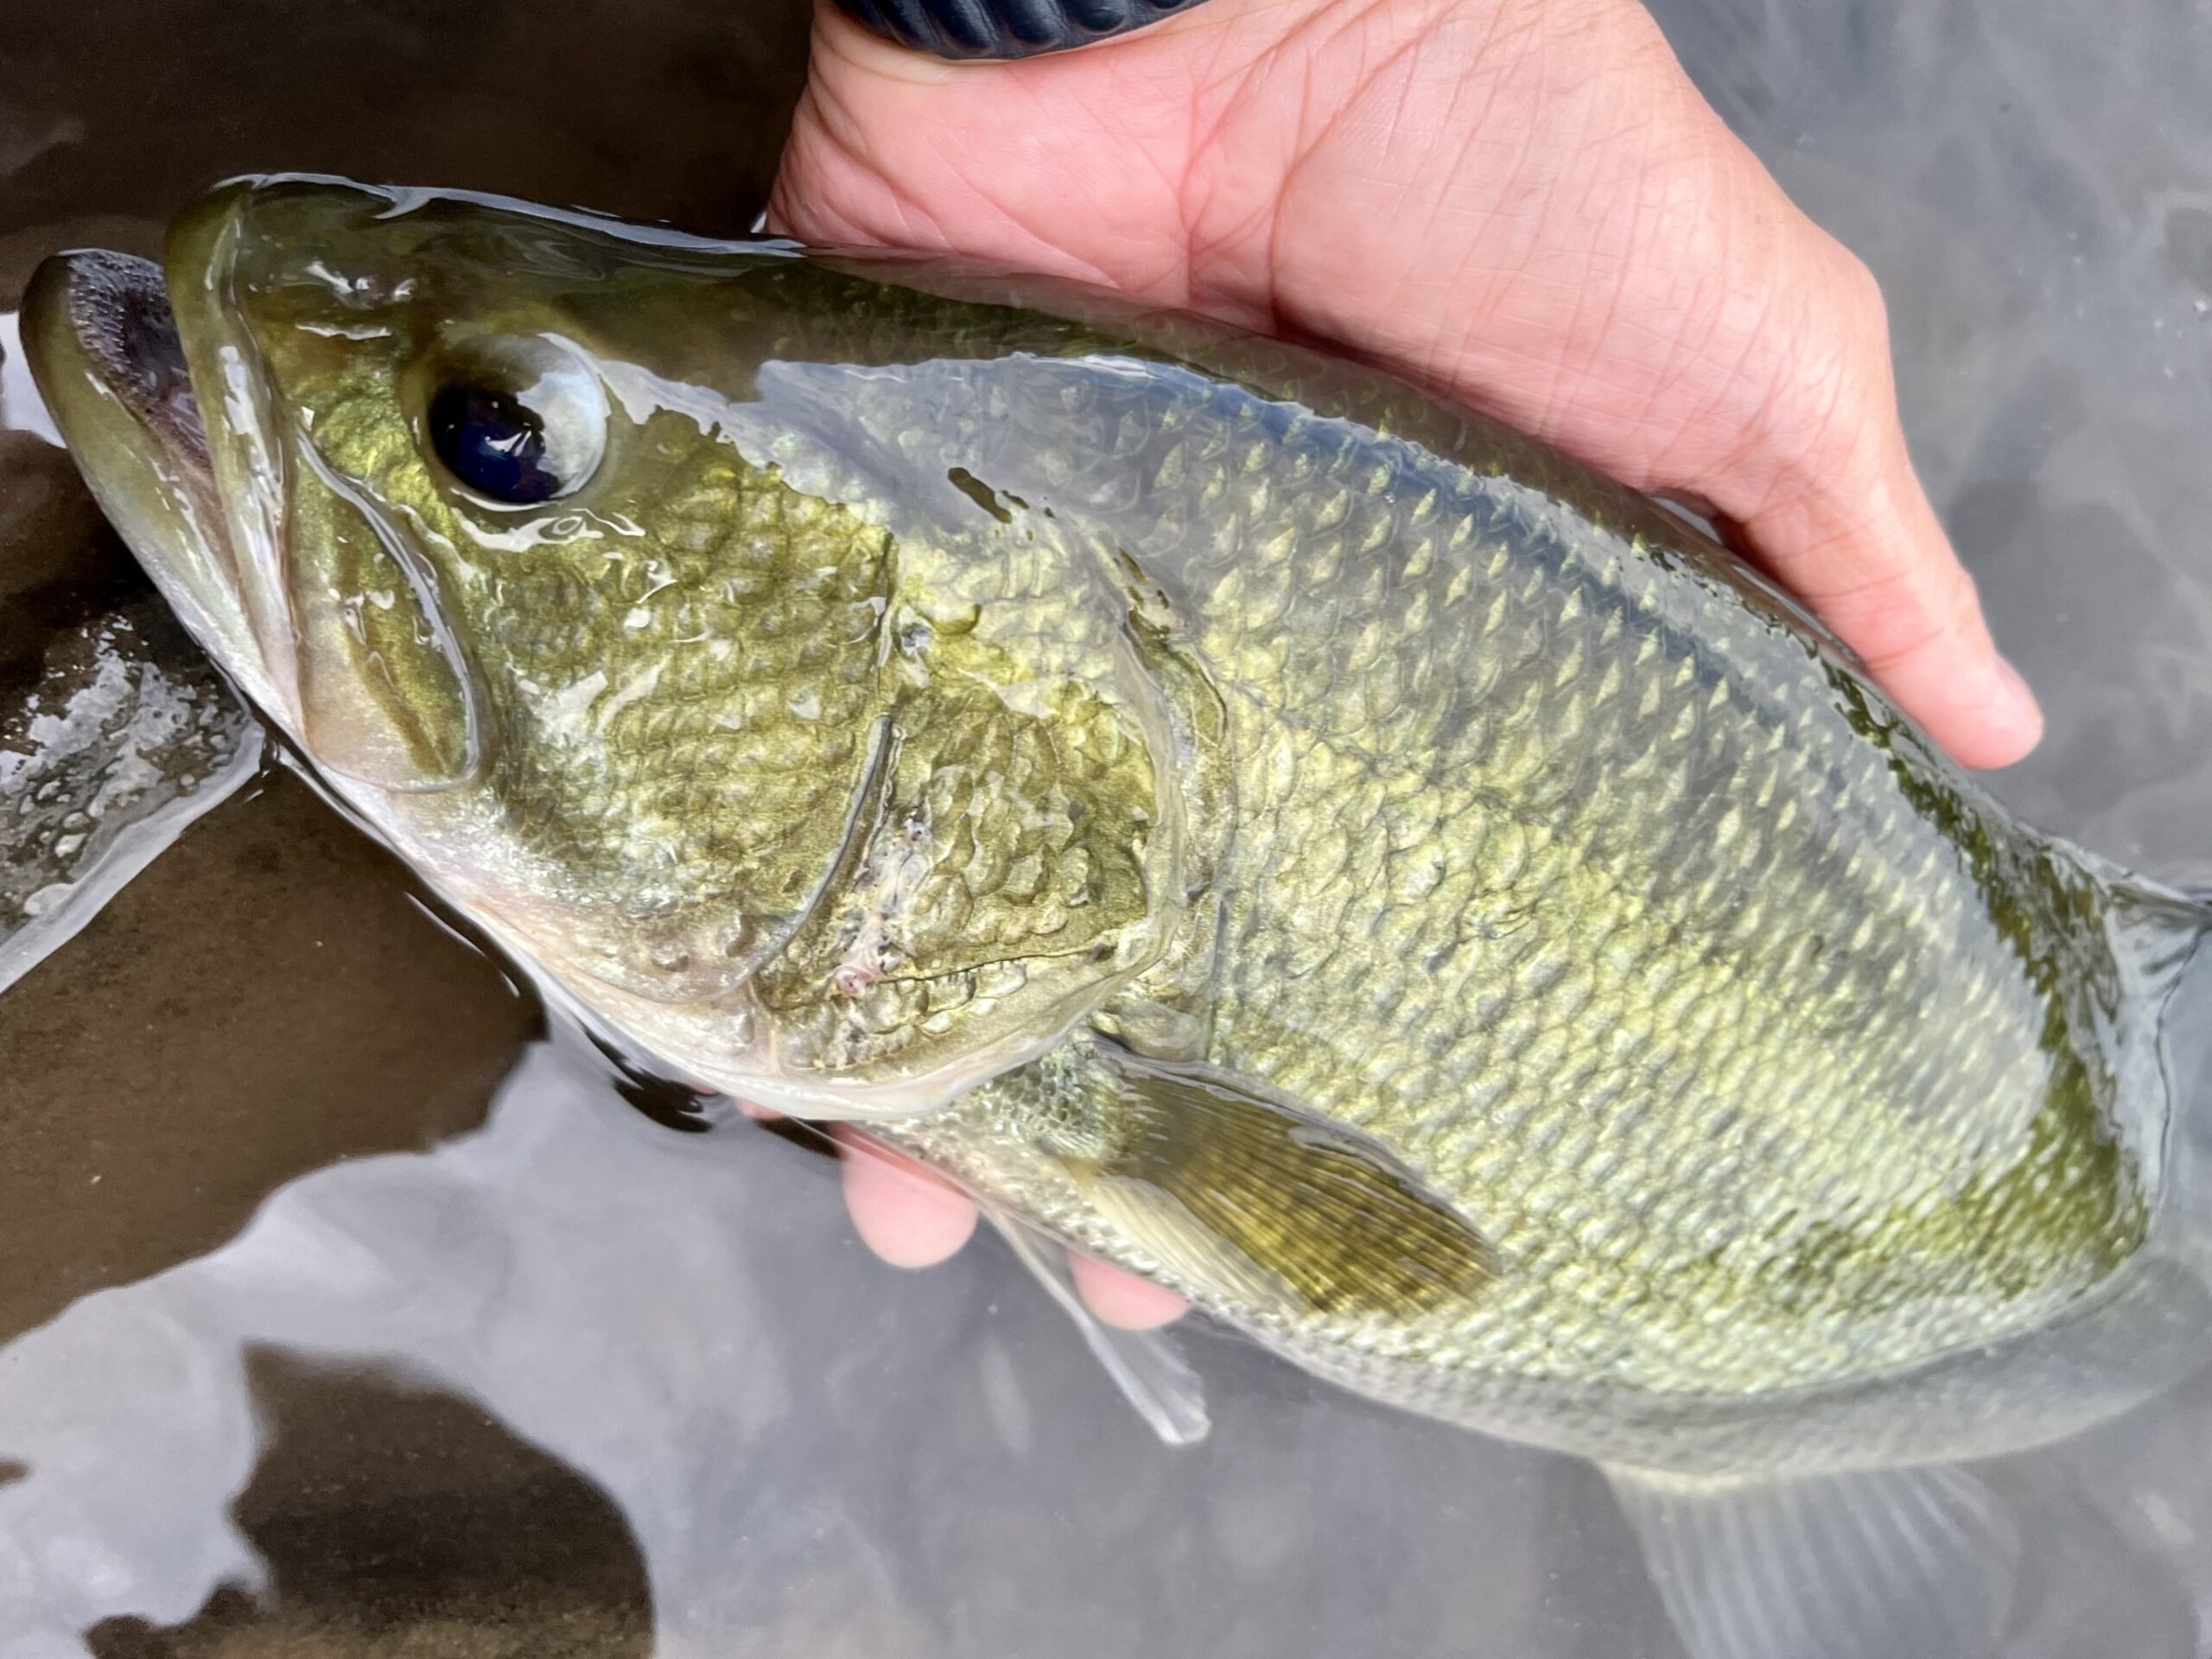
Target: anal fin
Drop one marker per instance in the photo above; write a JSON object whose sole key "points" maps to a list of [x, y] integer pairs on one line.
{"points": [[1915, 1563]]}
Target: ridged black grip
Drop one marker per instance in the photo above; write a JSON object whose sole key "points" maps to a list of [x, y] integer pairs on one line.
{"points": [[1005, 29]]}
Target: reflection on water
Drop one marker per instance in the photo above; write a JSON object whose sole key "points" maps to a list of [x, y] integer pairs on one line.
{"points": [[434, 1340], [800, 1458], [114, 732], [772, 1452], [531, 1267], [128, 735], [395, 1518], [20, 408]]}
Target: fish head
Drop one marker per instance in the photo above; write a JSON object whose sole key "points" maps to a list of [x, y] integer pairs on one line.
{"points": [[452, 491]]}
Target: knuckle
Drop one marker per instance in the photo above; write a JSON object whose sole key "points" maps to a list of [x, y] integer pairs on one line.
{"points": [[1848, 313], [1869, 307], [1858, 299]]}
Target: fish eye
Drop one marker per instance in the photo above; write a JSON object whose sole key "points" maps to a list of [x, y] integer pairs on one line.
{"points": [[518, 422]]}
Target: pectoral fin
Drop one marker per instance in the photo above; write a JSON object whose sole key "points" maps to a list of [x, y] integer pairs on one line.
{"points": [[1876, 1564], [1222, 1181]]}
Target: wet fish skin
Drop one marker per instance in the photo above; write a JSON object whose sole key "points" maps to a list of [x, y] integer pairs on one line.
{"points": [[1054, 738], [1768, 1052]]}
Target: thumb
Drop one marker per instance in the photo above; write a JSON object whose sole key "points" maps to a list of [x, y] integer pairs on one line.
{"points": [[1824, 490]]}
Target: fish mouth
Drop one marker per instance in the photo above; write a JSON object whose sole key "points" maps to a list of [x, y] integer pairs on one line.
{"points": [[117, 307], [126, 379]]}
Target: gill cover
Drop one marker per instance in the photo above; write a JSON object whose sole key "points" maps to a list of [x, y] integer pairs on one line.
{"points": [[346, 612]]}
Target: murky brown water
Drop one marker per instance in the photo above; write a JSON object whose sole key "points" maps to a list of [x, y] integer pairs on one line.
{"points": [[556, 1381]]}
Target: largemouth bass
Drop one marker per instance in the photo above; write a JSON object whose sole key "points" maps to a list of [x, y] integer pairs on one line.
{"points": [[1298, 840]]}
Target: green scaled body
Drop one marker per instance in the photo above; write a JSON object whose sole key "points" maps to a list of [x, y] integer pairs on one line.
{"points": [[1301, 841]]}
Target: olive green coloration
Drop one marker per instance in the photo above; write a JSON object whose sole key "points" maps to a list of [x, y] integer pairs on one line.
{"points": [[1296, 840]]}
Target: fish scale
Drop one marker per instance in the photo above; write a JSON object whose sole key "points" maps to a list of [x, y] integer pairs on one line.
{"points": [[1288, 634]]}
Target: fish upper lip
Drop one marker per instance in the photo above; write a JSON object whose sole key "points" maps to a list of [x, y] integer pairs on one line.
{"points": [[156, 387], [245, 454], [106, 353]]}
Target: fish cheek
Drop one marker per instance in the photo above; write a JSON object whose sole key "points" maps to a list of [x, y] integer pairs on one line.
{"points": [[387, 696]]}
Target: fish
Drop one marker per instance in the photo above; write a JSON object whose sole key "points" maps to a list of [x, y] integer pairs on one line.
{"points": [[1235, 813]]}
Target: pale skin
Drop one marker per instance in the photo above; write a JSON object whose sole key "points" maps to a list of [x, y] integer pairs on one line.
{"points": [[1522, 204]]}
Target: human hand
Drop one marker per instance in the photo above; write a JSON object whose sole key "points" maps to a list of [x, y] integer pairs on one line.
{"points": [[912, 1217], [1522, 204]]}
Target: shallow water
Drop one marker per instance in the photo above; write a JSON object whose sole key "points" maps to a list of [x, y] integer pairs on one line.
{"points": [[497, 1364]]}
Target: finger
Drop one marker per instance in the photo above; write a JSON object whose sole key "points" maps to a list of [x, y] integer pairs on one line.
{"points": [[913, 1218], [1122, 1299], [1890, 584], [1824, 489], [908, 1215], [1881, 573]]}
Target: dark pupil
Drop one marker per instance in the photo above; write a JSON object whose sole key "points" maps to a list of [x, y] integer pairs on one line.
{"points": [[493, 444]]}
